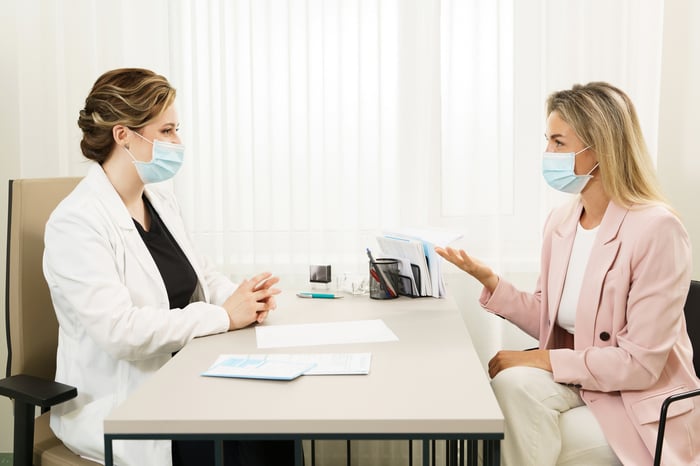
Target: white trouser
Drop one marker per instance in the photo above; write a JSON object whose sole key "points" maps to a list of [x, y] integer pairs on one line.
{"points": [[547, 423]]}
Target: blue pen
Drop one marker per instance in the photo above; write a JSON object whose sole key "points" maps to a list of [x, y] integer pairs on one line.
{"points": [[318, 295]]}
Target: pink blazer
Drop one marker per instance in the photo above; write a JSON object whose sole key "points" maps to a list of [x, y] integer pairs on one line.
{"points": [[631, 349]]}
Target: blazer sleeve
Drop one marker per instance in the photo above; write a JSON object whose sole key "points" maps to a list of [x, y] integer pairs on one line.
{"points": [[649, 281], [519, 307]]}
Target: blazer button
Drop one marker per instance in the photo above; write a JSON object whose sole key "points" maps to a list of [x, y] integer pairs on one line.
{"points": [[605, 336]]}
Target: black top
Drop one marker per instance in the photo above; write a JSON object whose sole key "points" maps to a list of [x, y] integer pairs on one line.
{"points": [[178, 275]]}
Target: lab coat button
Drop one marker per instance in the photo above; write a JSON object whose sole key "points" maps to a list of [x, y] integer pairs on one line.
{"points": [[605, 336]]}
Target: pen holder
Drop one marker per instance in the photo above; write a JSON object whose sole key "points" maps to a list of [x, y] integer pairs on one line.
{"points": [[383, 279]]}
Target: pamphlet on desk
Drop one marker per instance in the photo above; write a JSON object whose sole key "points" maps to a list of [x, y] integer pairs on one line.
{"points": [[288, 366], [420, 267]]}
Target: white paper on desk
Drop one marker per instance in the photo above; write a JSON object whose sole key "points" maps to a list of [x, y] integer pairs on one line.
{"points": [[325, 333], [329, 363], [256, 366]]}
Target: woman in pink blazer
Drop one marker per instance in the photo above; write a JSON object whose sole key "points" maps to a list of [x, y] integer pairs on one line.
{"points": [[608, 306]]}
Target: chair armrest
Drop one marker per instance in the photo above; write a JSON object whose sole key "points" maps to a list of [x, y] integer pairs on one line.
{"points": [[36, 391], [662, 420]]}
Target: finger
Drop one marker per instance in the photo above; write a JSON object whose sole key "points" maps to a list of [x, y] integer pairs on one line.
{"points": [[267, 283], [261, 316], [265, 294], [464, 256], [245, 285], [257, 279]]}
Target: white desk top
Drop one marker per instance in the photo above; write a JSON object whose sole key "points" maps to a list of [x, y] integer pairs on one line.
{"points": [[428, 382]]}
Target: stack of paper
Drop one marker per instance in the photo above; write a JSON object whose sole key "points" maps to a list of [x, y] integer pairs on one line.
{"points": [[415, 249]]}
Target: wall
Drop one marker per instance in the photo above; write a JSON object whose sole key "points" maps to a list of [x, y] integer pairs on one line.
{"points": [[9, 168], [678, 161]]}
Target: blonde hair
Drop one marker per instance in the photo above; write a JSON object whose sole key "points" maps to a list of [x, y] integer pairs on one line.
{"points": [[131, 97], [604, 118]]}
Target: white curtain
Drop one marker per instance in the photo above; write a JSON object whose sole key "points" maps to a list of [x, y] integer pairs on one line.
{"points": [[290, 114], [313, 124]]}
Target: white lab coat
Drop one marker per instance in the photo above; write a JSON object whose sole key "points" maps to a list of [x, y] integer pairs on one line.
{"points": [[115, 324]]}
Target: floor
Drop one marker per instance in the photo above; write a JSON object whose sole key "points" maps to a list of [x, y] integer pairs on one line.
{"points": [[5, 459]]}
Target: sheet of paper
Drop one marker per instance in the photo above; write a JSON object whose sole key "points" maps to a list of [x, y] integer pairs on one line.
{"points": [[256, 366], [329, 363], [326, 333], [288, 366]]}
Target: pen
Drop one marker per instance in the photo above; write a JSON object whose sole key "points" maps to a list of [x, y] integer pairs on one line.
{"points": [[318, 295]]}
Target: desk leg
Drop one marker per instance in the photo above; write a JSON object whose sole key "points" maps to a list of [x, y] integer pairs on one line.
{"points": [[492, 452], [109, 460], [219, 452], [298, 453]]}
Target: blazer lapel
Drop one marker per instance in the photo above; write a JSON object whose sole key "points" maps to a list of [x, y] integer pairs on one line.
{"points": [[602, 256], [562, 243]]}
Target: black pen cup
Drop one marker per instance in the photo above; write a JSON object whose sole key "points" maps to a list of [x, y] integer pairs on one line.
{"points": [[384, 279]]}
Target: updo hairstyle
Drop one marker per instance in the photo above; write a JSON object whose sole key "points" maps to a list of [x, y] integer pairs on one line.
{"points": [[131, 97]]}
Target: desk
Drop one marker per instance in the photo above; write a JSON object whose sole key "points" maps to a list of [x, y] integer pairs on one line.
{"points": [[428, 385]]}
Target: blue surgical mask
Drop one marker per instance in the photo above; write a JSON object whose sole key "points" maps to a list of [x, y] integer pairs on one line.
{"points": [[166, 160], [558, 172]]}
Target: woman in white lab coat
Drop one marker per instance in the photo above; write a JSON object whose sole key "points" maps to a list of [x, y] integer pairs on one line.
{"points": [[128, 288]]}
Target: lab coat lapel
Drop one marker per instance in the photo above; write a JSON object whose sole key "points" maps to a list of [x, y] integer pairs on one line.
{"points": [[604, 252], [119, 214]]}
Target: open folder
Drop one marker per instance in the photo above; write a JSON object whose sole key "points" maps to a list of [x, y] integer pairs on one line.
{"points": [[420, 270]]}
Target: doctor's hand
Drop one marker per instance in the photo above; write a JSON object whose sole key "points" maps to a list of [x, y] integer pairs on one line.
{"points": [[252, 301], [470, 265], [505, 359]]}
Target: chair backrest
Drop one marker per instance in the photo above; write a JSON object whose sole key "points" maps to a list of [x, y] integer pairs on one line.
{"points": [[692, 321], [32, 329]]}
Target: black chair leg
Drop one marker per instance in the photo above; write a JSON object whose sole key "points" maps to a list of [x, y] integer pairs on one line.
{"points": [[24, 434]]}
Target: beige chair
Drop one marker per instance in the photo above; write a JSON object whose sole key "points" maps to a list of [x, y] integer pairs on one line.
{"points": [[32, 329]]}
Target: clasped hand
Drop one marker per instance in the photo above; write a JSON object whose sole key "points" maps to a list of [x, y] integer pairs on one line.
{"points": [[252, 301]]}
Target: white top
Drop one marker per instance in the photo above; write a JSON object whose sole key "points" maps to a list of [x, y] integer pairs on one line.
{"points": [[581, 250]]}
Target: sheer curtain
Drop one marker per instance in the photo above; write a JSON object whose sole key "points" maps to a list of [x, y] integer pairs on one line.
{"points": [[290, 114], [311, 125]]}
